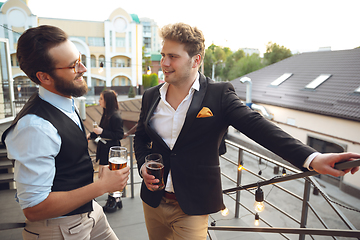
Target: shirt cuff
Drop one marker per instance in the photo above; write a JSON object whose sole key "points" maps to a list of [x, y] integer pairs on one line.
{"points": [[309, 160]]}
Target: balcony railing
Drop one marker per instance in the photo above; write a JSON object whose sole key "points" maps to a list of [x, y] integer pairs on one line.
{"points": [[248, 158], [307, 180]]}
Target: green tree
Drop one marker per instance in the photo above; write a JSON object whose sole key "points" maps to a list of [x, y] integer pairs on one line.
{"points": [[146, 81], [131, 93], [215, 55], [231, 59], [245, 65], [275, 53], [150, 80], [208, 60], [154, 79], [146, 60]]}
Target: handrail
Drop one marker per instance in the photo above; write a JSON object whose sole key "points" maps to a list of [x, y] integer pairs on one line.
{"points": [[310, 231], [339, 166], [298, 175]]}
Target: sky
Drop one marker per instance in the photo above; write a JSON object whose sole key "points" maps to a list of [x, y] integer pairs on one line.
{"points": [[299, 25]]}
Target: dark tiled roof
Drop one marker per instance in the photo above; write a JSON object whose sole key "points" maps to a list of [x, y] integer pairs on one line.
{"points": [[335, 97]]}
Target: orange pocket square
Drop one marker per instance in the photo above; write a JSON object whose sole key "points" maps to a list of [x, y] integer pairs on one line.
{"points": [[204, 112]]}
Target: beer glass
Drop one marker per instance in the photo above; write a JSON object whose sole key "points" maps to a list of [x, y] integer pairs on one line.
{"points": [[95, 125], [117, 160], [155, 166]]}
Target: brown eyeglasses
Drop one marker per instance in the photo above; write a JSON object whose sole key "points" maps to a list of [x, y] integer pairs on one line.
{"points": [[75, 66]]}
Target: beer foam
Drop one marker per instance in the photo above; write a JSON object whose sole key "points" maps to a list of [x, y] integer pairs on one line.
{"points": [[117, 160]]}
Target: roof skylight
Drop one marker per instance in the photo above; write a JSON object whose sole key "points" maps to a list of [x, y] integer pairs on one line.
{"points": [[281, 79], [317, 81]]}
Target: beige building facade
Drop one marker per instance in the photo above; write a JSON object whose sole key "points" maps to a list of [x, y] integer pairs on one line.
{"points": [[111, 50]]}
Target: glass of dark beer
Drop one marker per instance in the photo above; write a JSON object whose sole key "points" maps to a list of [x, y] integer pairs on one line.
{"points": [[117, 160], [155, 166]]}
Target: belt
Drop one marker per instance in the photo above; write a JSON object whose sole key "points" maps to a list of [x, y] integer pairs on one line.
{"points": [[170, 195]]}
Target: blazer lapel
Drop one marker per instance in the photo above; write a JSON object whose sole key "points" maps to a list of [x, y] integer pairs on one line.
{"points": [[194, 108]]}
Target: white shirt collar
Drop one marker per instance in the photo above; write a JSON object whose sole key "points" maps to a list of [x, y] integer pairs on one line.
{"points": [[63, 103], [194, 86]]}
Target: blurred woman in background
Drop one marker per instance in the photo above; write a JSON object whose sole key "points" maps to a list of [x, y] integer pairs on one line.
{"points": [[107, 134]]}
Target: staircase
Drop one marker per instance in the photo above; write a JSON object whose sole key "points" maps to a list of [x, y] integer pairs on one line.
{"points": [[6, 170]]}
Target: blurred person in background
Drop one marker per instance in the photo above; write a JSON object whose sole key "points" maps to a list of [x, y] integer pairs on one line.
{"points": [[108, 134]]}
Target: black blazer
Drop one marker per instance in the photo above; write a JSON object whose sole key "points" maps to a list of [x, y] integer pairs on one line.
{"points": [[194, 159], [114, 131]]}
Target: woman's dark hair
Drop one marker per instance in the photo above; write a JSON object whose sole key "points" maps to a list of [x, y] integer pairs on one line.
{"points": [[33, 49], [112, 105]]}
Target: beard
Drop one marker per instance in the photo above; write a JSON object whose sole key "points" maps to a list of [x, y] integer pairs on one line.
{"points": [[69, 88]]}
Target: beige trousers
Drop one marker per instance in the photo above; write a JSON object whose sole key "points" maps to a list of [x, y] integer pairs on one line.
{"points": [[169, 222], [93, 225]]}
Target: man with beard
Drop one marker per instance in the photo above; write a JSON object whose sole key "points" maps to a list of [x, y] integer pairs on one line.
{"points": [[53, 170]]}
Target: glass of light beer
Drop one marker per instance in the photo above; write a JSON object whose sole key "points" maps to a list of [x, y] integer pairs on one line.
{"points": [[155, 166], [117, 160]]}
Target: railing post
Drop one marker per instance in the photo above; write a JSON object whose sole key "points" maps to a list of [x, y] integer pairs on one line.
{"points": [[238, 183], [131, 138], [305, 207]]}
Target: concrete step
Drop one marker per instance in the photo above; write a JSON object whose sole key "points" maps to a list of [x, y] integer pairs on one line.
{"points": [[6, 177], [3, 152], [5, 163]]}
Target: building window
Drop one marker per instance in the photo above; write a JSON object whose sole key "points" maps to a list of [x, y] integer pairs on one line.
{"points": [[83, 59], [118, 63], [96, 41], [317, 81], [123, 81], [101, 83], [102, 60], [115, 82], [147, 42], [281, 79], [93, 61], [324, 146], [129, 39], [120, 42], [6, 33], [110, 38], [6, 105], [81, 38], [16, 37]]}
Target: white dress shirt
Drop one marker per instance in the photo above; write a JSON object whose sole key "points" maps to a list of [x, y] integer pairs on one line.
{"points": [[34, 143], [168, 122]]}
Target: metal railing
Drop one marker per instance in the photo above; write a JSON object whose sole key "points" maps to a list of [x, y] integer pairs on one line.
{"points": [[302, 231]]}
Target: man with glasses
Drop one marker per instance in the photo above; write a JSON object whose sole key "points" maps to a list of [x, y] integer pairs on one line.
{"points": [[53, 170]]}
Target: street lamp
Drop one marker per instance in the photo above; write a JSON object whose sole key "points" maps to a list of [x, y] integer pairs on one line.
{"points": [[213, 69]]}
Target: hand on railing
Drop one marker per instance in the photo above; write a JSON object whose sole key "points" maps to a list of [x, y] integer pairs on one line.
{"points": [[324, 163]]}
